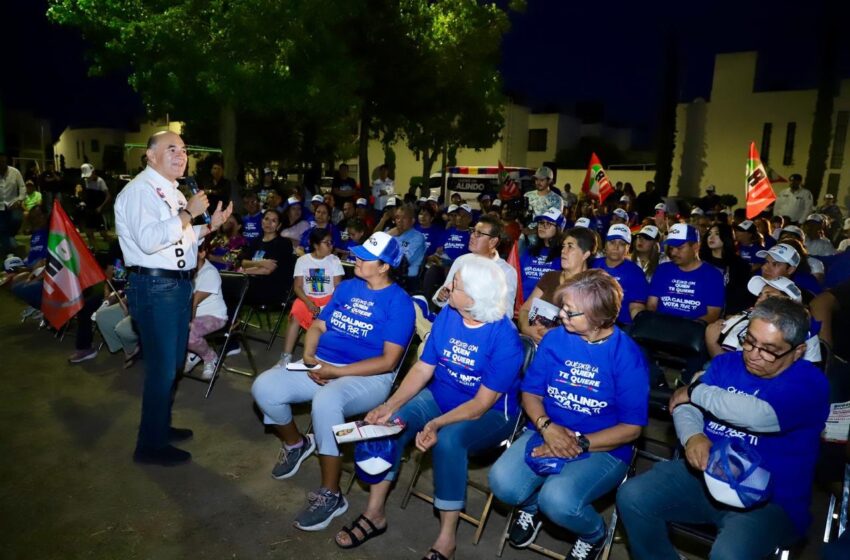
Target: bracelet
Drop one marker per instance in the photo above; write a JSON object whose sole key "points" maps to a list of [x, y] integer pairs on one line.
{"points": [[539, 418], [691, 388], [191, 217], [545, 425]]}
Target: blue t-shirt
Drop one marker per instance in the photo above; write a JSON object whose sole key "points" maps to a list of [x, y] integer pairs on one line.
{"points": [[433, 237], [632, 280], [413, 247], [533, 268], [466, 357], [687, 294], [748, 253], [800, 398], [807, 281], [360, 320], [590, 387], [455, 243], [252, 226], [38, 247]]}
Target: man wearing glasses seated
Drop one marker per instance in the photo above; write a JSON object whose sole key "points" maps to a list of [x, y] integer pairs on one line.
{"points": [[772, 400], [484, 241]]}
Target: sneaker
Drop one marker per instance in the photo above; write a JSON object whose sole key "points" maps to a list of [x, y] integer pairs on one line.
{"points": [[83, 355], [583, 550], [322, 506], [232, 347], [524, 529], [192, 360], [27, 313], [290, 459], [284, 360], [209, 370]]}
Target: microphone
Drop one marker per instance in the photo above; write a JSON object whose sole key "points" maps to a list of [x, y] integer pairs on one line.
{"points": [[192, 184]]}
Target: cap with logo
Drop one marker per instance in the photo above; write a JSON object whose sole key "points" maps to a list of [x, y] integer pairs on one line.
{"points": [[620, 213], [680, 234], [292, 200], [484, 196], [452, 208], [818, 218], [361, 202], [619, 231], [497, 203], [795, 231], [551, 215], [433, 198], [544, 173], [747, 226], [661, 207], [466, 208], [268, 171], [625, 198], [784, 285], [650, 232], [734, 475], [86, 170], [782, 253], [583, 222], [697, 211], [373, 458], [391, 201], [710, 188], [379, 247], [317, 198], [421, 200]]}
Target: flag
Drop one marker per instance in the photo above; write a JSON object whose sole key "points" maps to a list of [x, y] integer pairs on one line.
{"points": [[760, 194], [596, 183], [71, 268], [513, 260], [503, 173], [773, 176]]}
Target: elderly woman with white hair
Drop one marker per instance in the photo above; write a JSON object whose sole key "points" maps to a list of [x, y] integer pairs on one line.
{"points": [[459, 398]]}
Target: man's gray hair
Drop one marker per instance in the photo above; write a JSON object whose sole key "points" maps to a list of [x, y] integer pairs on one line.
{"points": [[790, 317], [485, 283]]}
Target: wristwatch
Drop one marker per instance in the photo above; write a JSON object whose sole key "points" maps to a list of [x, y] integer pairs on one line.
{"points": [[583, 442]]}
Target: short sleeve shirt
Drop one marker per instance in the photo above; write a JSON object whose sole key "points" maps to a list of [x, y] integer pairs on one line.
{"points": [[633, 281], [534, 267], [455, 243], [687, 294], [208, 280], [318, 274]]}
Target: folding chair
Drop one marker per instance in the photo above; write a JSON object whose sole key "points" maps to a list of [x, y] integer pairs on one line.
{"points": [[529, 348], [609, 532], [262, 310], [841, 514], [234, 286]]}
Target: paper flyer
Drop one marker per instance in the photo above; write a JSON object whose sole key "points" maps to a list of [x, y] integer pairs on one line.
{"points": [[838, 422], [360, 430]]}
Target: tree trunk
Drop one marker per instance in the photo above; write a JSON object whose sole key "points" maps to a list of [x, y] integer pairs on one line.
{"points": [[363, 161], [227, 141], [666, 134], [822, 125]]}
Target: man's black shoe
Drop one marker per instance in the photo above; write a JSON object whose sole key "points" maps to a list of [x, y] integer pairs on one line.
{"points": [[176, 435], [167, 456]]}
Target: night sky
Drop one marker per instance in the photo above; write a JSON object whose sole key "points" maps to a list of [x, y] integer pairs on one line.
{"points": [[558, 52]]}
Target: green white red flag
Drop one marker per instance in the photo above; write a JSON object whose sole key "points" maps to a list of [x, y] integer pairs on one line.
{"points": [[596, 183], [760, 194], [71, 268]]}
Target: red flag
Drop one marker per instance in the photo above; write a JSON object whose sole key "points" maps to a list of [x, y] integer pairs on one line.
{"points": [[513, 260], [760, 194], [596, 183], [71, 268]]}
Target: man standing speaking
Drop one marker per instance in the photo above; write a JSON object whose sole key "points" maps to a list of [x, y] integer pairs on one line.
{"points": [[154, 224]]}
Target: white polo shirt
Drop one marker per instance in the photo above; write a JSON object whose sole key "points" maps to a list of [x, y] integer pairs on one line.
{"points": [[150, 231], [12, 188]]}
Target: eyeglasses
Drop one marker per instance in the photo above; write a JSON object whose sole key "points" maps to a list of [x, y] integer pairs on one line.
{"points": [[749, 345], [478, 233], [571, 314]]}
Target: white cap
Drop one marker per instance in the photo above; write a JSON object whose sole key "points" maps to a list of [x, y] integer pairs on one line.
{"points": [[782, 253], [292, 200], [467, 208], [651, 232], [452, 208], [380, 246], [620, 213], [498, 202], [422, 199], [433, 198], [746, 225], [815, 218], [697, 211], [795, 231], [619, 231], [661, 207], [86, 170], [583, 222], [625, 198], [374, 465], [361, 202], [317, 198], [391, 201], [784, 285]]}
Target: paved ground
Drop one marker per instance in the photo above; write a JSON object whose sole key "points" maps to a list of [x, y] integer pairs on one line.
{"points": [[71, 491]]}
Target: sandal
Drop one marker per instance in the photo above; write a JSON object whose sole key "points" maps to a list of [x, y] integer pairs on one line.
{"points": [[368, 532], [434, 554]]}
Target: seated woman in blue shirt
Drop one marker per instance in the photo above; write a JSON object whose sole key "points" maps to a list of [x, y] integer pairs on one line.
{"points": [[544, 253], [586, 396], [357, 339], [459, 398]]}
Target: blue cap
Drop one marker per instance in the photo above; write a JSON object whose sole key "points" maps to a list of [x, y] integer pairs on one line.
{"points": [[553, 216], [619, 231], [734, 475], [373, 458], [680, 234], [545, 465], [379, 247]]}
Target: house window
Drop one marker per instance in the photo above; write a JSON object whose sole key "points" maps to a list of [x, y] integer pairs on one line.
{"points": [[790, 133], [537, 139], [839, 141], [766, 131], [95, 146]]}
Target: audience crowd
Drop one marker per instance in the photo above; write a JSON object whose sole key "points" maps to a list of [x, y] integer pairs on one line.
{"points": [[362, 270]]}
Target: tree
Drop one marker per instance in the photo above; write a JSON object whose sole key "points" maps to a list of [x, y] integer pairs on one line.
{"points": [[666, 135]]}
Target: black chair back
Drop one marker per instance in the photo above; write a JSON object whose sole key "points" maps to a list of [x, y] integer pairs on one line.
{"points": [[669, 339]]}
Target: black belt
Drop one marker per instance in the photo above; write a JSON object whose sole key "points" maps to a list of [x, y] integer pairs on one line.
{"points": [[163, 272]]}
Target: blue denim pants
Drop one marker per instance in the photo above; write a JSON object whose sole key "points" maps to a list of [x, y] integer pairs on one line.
{"points": [[161, 308], [565, 498], [671, 491], [454, 444]]}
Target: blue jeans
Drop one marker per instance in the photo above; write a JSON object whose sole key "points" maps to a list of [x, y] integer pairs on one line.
{"points": [[276, 390], [161, 308], [565, 498], [30, 292], [454, 444], [671, 491]]}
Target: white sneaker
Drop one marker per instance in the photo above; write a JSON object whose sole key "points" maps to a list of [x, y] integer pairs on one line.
{"points": [[192, 360], [284, 360], [209, 369]]}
